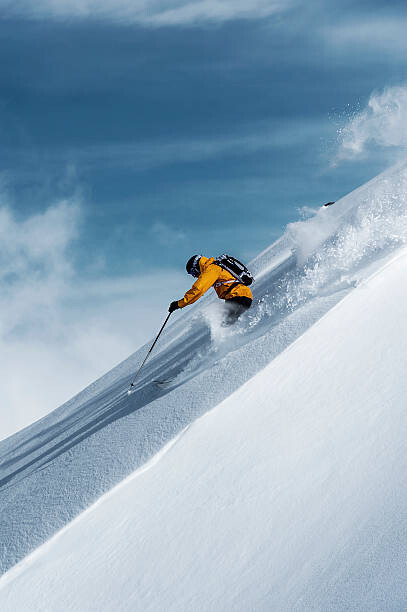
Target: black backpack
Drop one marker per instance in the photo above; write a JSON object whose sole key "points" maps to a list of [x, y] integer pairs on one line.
{"points": [[235, 268]]}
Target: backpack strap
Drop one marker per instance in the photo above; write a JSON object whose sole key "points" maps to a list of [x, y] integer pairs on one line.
{"points": [[232, 286]]}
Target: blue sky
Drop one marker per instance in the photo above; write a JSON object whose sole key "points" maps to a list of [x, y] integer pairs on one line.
{"points": [[149, 131]]}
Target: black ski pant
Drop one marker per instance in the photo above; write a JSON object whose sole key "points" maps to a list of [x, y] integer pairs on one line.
{"points": [[235, 307]]}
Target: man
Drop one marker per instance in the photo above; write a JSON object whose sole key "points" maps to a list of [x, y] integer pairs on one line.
{"points": [[238, 297]]}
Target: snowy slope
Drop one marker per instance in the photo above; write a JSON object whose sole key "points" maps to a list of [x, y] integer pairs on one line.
{"points": [[56, 468], [290, 495]]}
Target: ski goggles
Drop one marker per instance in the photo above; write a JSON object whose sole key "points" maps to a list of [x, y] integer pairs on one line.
{"points": [[195, 269]]}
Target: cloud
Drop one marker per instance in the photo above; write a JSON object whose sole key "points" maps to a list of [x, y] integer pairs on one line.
{"points": [[383, 123], [144, 155], [385, 35], [166, 235], [246, 140], [154, 13], [34, 267], [59, 328]]}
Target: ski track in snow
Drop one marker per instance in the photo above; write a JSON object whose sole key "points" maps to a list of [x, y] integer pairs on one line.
{"points": [[67, 460]]}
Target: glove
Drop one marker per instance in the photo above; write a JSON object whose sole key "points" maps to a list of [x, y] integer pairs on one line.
{"points": [[173, 306]]}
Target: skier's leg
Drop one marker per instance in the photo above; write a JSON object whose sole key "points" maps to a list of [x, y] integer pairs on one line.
{"points": [[234, 308], [232, 313]]}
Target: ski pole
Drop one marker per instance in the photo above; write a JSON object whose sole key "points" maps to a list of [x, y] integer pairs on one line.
{"points": [[148, 354]]}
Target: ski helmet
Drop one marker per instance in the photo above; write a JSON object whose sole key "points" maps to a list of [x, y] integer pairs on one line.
{"points": [[192, 266]]}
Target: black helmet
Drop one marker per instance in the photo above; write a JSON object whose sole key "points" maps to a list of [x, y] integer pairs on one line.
{"points": [[193, 265]]}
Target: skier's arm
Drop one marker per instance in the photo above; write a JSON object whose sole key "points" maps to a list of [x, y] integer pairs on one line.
{"points": [[200, 286]]}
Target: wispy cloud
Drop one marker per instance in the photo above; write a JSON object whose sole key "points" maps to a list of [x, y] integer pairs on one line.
{"points": [[146, 12], [383, 123], [166, 235], [143, 155], [59, 330], [34, 266], [379, 35]]}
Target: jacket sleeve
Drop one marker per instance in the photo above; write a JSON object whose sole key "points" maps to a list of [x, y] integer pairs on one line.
{"points": [[200, 286]]}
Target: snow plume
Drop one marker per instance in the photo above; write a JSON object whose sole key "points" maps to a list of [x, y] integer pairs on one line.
{"points": [[333, 246], [146, 12], [60, 329], [382, 123]]}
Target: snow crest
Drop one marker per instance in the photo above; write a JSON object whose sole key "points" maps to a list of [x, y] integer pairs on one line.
{"points": [[337, 243]]}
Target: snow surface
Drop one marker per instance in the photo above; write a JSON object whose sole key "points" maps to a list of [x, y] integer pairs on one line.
{"points": [[288, 495]]}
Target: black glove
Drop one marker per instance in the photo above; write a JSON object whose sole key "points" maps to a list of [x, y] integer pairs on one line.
{"points": [[173, 306]]}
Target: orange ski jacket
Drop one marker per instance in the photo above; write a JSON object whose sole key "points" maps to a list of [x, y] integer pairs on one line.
{"points": [[216, 277]]}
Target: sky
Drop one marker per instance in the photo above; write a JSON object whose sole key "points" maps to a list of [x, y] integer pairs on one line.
{"points": [[135, 134]]}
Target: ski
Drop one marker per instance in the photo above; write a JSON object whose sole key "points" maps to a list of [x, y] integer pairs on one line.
{"points": [[163, 383]]}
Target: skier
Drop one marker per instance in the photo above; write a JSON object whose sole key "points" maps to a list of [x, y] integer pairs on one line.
{"points": [[238, 297]]}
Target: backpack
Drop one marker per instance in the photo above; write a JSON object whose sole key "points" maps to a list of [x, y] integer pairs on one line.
{"points": [[235, 268]]}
